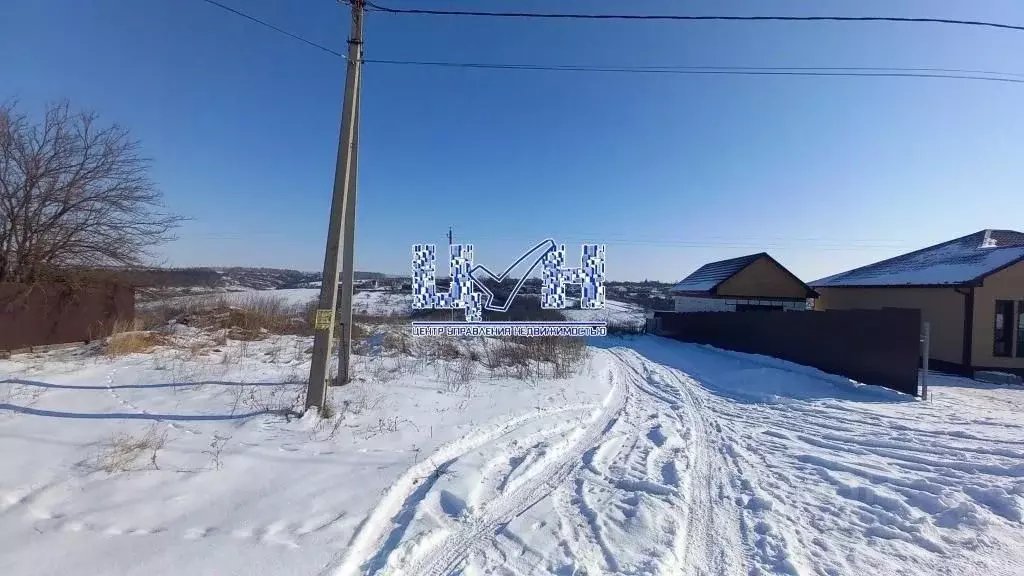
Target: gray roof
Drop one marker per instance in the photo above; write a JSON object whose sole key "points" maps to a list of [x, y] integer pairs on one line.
{"points": [[961, 261], [709, 276]]}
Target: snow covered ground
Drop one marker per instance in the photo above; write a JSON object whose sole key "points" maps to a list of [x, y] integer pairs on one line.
{"points": [[621, 313], [656, 458]]}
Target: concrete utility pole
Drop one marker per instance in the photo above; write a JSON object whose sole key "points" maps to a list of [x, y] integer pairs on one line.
{"points": [[344, 182], [348, 263]]}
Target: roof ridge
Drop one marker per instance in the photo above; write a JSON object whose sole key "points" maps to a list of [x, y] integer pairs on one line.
{"points": [[897, 257], [961, 261], [719, 267]]}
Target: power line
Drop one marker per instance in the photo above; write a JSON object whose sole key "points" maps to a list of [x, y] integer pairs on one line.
{"points": [[275, 28], [725, 70], [679, 17], [683, 68], [869, 72]]}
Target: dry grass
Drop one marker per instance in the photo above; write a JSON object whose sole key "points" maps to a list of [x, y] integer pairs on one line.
{"points": [[127, 338], [122, 452], [527, 358], [457, 375], [261, 314], [251, 318]]}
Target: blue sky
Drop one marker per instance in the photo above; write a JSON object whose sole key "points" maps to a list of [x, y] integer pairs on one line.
{"points": [[669, 171]]}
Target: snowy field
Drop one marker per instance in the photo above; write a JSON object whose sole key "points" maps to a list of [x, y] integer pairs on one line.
{"points": [[376, 303], [656, 458], [620, 313], [382, 303]]}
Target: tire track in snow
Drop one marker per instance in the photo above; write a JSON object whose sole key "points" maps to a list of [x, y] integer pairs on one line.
{"points": [[371, 544], [523, 492], [612, 498], [710, 529]]}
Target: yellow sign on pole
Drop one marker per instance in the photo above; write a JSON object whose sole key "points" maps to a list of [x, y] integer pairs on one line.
{"points": [[324, 319]]}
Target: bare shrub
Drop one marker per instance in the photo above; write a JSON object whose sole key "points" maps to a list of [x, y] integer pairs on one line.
{"points": [[380, 319], [510, 359], [330, 423], [159, 314], [281, 398], [386, 425], [362, 400], [308, 314], [252, 318], [359, 334], [441, 348], [216, 447], [456, 374], [530, 357], [122, 452], [397, 341], [569, 356], [259, 315], [625, 329], [378, 371]]}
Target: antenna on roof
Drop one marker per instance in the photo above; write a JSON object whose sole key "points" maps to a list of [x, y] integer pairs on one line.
{"points": [[989, 241]]}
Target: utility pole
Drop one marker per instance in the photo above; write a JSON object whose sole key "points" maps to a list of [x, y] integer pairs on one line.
{"points": [[348, 263], [344, 181]]}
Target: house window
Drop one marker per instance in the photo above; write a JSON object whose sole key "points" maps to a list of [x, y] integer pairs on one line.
{"points": [[1020, 329], [1002, 343]]}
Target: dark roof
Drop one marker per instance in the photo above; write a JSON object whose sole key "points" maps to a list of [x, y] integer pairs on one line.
{"points": [[709, 276], [962, 261]]}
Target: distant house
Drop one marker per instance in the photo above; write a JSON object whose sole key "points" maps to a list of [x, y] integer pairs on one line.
{"points": [[754, 282], [971, 291]]}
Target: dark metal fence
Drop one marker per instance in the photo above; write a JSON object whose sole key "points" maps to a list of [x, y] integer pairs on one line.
{"points": [[43, 314], [880, 347]]}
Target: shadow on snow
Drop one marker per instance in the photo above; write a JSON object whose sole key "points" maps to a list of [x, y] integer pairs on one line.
{"points": [[750, 378]]}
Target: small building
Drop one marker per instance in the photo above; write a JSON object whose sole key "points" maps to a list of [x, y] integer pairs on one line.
{"points": [[754, 282], [970, 290]]}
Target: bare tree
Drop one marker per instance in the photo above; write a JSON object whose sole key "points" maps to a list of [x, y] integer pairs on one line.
{"points": [[73, 193]]}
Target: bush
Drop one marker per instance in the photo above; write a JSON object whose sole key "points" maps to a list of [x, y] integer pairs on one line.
{"points": [[625, 328], [525, 358]]}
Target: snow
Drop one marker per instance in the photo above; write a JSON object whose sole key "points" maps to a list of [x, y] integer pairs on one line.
{"points": [[614, 312], [696, 285], [952, 263], [377, 303], [656, 457]]}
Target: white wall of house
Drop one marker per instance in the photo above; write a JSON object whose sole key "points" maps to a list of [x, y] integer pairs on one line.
{"points": [[697, 304], [694, 304]]}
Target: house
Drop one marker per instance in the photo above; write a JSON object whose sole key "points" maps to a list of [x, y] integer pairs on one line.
{"points": [[754, 282], [366, 284], [970, 290]]}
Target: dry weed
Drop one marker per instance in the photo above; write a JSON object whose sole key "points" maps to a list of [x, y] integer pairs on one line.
{"points": [[122, 452], [121, 343]]}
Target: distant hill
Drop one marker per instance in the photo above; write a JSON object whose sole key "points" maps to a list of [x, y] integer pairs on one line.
{"points": [[232, 278]]}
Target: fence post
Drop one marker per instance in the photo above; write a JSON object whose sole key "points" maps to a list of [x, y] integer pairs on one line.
{"points": [[924, 359]]}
